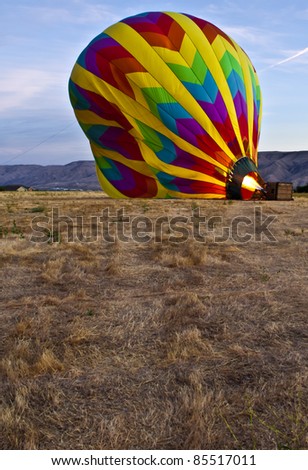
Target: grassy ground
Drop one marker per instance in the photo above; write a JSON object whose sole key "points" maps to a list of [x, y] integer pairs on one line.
{"points": [[168, 344]]}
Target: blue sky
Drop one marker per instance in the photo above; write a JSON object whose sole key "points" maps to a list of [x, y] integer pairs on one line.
{"points": [[40, 41]]}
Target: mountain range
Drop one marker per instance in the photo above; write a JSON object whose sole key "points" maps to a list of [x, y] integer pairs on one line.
{"points": [[273, 166]]}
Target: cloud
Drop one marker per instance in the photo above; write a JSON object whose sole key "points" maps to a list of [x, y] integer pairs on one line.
{"points": [[248, 34], [302, 14], [291, 58], [80, 13], [19, 86]]}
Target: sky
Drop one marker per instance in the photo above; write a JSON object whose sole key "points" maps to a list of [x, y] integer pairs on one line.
{"points": [[41, 40]]}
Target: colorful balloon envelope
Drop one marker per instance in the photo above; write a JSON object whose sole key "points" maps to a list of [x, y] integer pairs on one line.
{"points": [[171, 106]]}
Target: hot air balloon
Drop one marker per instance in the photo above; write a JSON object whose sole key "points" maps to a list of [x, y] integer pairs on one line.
{"points": [[171, 106]]}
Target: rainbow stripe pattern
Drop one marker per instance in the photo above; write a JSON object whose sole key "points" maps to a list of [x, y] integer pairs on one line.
{"points": [[169, 103]]}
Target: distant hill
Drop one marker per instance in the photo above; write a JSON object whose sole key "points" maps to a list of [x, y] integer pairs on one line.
{"points": [[284, 166], [273, 166], [76, 175]]}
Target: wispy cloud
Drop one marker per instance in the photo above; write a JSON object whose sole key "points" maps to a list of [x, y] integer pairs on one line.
{"points": [[81, 14], [302, 14], [291, 58], [19, 86], [247, 34]]}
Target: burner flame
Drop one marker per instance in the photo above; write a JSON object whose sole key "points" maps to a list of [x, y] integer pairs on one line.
{"points": [[251, 184]]}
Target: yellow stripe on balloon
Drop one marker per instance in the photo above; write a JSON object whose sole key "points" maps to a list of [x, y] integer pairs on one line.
{"points": [[136, 165], [144, 53], [107, 186], [88, 117], [169, 56], [188, 50], [139, 96], [249, 96], [221, 45], [133, 110], [115, 193], [210, 59], [181, 195], [151, 158], [260, 110]]}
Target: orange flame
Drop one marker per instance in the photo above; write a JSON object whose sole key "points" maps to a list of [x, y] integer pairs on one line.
{"points": [[250, 183]]}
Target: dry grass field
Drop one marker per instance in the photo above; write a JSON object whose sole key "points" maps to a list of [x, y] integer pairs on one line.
{"points": [[163, 344]]}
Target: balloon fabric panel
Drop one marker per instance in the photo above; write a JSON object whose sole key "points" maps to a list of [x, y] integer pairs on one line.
{"points": [[169, 103]]}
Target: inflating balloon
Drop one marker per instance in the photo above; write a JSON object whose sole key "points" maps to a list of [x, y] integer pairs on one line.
{"points": [[171, 106]]}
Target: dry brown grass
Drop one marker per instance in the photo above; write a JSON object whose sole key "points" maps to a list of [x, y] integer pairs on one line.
{"points": [[157, 345]]}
